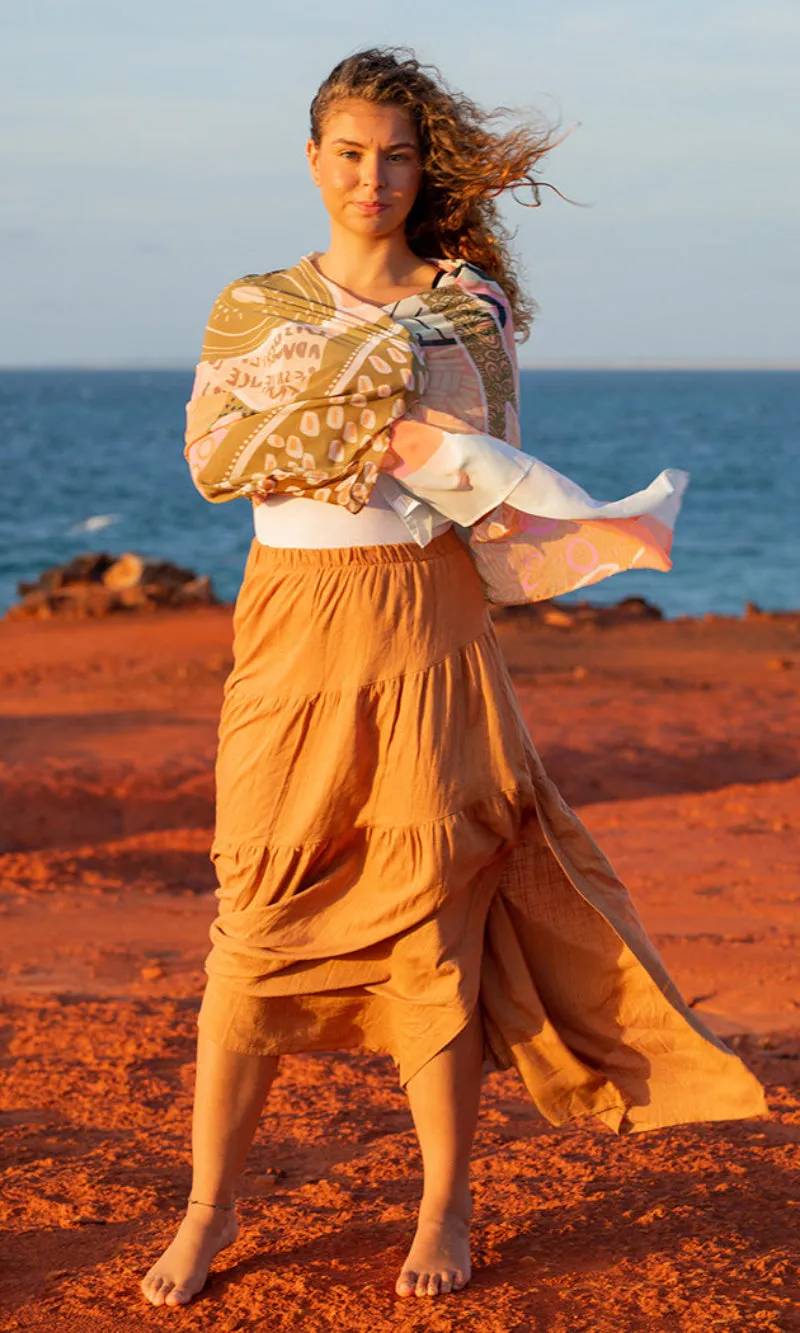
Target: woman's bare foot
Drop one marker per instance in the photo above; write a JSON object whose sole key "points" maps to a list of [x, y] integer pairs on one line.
{"points": [[183, 1267], [439, 1260]]}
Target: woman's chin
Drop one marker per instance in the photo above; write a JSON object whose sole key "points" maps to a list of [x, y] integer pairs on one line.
{"points": [[371, 224]]}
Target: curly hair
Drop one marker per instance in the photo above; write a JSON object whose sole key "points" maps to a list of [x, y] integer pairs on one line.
{"points": [[466, 163]]}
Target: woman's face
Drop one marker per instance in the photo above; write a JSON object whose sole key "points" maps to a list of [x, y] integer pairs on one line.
{"points": [[367, 166]]}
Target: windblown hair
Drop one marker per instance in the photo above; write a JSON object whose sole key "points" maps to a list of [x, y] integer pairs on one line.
{"points": [[466, 163]]}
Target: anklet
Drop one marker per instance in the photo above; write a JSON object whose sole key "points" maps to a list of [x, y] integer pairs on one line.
{"points": [[223, 1207]]}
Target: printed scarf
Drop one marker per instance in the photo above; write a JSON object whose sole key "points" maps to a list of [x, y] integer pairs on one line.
{"points": [[305, 389]]}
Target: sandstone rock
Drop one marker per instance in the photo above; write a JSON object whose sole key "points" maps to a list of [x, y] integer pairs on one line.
{"points": [[97, 583], [132, 570], [564, 615], [198, 590], [555, 616]]}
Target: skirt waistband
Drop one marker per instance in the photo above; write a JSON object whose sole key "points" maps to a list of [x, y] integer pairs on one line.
{"points": [[389, 553]]}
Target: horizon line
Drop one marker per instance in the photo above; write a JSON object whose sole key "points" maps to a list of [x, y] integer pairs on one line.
{"points": [[617, 363]]}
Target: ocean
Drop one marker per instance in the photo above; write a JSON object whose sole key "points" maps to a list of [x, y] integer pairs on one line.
{"points": [[92, 460]]}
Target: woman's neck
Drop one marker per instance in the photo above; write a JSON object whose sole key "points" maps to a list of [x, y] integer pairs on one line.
{"points": [[384, 268]]}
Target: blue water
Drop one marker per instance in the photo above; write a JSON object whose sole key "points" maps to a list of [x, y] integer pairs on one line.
{"points": [[79, 445]]}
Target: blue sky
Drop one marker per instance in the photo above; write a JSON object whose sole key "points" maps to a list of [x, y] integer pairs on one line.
{"points": [[157, 153]]}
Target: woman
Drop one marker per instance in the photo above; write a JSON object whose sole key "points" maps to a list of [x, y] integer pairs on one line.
{"points": [[396, 871]]}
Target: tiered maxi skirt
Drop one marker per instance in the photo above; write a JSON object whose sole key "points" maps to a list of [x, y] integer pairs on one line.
{"points": [[392, 856]]}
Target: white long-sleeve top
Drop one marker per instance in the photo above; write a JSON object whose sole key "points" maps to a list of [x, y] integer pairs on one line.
{"points": [[290, 520]]}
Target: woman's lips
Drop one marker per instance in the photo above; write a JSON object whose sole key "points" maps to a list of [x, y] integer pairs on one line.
{"points": [[372, 208]]}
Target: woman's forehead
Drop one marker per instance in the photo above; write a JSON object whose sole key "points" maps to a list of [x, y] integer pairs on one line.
{"points": [[360, 121]]}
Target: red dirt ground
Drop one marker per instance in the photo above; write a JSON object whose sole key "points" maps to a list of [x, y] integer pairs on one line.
{"points": [[679, 745]]}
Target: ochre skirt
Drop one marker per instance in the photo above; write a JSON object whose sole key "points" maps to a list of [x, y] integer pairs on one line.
{"points": [[391, 855]]}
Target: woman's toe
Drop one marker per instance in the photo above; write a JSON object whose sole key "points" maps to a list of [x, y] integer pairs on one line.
{"points": [[179, 1295], [422, 1284], [447, 1283], [157, 1290], [434, 1284], [406, 1283]]}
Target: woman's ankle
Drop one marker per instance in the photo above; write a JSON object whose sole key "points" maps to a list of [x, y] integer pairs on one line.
{"points": [[446, 1207], [212, 1203]]}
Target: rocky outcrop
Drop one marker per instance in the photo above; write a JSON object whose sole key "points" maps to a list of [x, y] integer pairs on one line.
{"points": [[567, 615], [97, 583]]}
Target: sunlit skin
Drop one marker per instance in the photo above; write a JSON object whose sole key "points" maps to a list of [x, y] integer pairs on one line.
{"points": [[368, 170]]}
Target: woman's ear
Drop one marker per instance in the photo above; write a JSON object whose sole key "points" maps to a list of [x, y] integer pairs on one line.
{"points": [[312, 153]]}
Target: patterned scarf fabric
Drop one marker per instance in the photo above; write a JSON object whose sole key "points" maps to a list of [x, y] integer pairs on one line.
{"points": [[305, 389], [294, 394]]}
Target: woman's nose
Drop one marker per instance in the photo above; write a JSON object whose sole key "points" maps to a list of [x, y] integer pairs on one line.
{"points": [[372, 170]]}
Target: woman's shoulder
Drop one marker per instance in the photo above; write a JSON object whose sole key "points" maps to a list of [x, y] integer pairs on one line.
{"points": [[241, 312], [242, 306], [252, 291], [253, 288]]}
